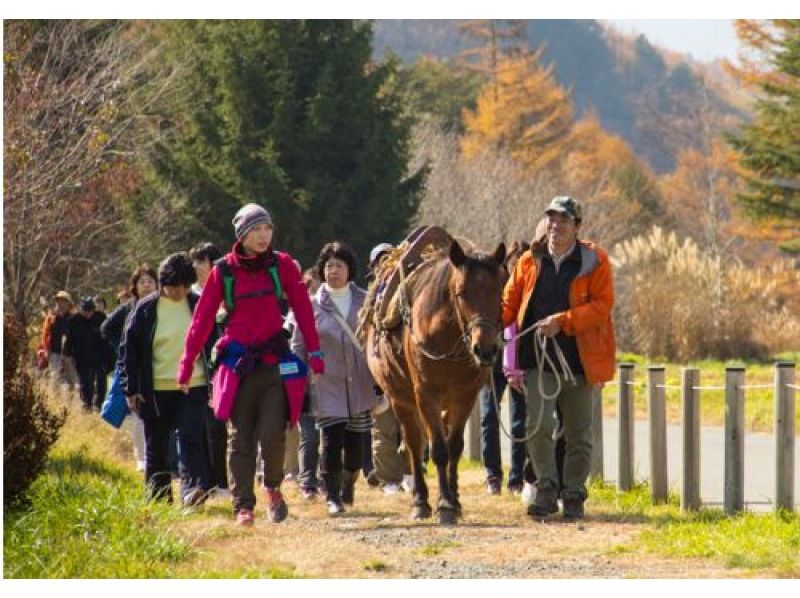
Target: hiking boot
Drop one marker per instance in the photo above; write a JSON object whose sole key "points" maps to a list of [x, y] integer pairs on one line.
{"points": [[245, 518], [544, 501], [195, 497], [349, 478], [335, 508], [309, 493], [277, 510], [493, 485], [572, 505], [515, 488]]}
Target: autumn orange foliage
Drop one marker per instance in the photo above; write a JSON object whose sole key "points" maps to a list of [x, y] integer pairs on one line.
{"points": [[525, 111]]}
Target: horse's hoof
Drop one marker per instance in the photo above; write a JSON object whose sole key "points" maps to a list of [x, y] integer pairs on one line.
{"points": [[446, 516], [421, 512]]}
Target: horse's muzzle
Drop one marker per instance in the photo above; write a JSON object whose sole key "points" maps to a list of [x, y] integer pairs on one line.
{"points": [[484, 355]]}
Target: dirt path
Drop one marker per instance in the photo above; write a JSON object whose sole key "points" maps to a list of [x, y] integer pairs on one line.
{"points": [[376, 539]]}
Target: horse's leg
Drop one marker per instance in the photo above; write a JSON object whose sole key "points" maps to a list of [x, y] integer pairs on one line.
{"points": [[455, 445], [412, 436], [446, 508]]}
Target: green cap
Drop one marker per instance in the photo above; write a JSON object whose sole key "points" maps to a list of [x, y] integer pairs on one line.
{"points": [[564, 204]]}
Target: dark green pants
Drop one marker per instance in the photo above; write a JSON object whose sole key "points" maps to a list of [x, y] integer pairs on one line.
{"points": [[576, 411], [258, 419]]}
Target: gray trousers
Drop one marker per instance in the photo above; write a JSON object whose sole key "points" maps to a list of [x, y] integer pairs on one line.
{"points": [[576, 411]]}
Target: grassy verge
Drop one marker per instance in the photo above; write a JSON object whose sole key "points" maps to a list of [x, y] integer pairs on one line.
{"points": [[749, 541], [759, 402], [88, 519]]}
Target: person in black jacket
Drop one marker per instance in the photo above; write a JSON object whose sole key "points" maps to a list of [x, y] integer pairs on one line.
{"points": [[90, 352], [203, 257], [141, 284], [151, 348]]}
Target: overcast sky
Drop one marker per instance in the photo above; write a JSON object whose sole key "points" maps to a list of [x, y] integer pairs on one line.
{"points": [[705, 39]]}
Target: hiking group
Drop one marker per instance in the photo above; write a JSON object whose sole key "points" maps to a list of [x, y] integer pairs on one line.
{"points": [[240, 370]]}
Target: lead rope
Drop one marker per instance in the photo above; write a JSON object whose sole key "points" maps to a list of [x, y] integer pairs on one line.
{"points": [[542, 357]]}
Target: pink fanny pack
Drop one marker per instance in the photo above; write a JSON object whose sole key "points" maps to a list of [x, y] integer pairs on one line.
{"points": [[225, 387]]}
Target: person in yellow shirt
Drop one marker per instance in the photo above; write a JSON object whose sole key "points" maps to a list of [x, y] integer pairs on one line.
{"points": [[151, 350]]}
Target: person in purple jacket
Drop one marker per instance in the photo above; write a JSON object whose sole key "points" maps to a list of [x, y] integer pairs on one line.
{"points": [[490, 417], [254, 342]]}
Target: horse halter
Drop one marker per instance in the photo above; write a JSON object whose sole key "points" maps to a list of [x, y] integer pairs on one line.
{"points": [[461, 348]]}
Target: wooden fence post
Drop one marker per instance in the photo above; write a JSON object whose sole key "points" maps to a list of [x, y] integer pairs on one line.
{"points": [[596, 466], [658, 433], [784, 435], [626, 419], [690, 477], [734, 440]]}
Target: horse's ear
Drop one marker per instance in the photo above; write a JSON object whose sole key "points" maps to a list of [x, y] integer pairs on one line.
{"points": [[500, 253], [457, 255]]}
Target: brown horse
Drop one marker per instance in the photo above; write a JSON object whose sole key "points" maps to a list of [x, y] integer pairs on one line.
{"points": [[433, 366]]}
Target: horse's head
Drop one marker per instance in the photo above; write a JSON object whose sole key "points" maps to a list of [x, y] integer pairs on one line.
{"points": [[476, 287]]}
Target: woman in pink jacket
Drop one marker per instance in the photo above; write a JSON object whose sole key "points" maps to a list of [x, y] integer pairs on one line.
{"points": [[257, 284]]}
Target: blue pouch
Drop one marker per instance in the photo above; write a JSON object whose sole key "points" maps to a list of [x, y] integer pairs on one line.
{"points": [[115, 407]]}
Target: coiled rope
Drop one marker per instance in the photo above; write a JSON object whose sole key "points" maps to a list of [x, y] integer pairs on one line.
{"points": [[542, 357]]}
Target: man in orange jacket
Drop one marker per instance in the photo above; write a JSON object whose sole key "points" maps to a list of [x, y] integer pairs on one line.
{"points": [[562, 290]]}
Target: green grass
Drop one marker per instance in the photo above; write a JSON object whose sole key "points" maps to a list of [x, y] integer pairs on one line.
{"points": [[250, 573], [88, 519], [436, 548], [375, 565], [751, 541], [747, 541]]}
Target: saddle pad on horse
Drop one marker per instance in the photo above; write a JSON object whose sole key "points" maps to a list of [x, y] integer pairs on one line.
{"points": [[423, 239]]}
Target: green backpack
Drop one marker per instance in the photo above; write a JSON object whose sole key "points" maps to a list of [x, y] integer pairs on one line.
{"points": [[228, 282]]}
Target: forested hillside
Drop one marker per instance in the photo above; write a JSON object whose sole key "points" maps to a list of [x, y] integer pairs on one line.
{"points": [[634, 87]]}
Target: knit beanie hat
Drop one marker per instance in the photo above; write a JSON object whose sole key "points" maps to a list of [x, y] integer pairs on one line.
{"points": [[248, 217]]}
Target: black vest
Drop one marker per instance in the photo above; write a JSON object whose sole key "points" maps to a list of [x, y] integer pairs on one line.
{"points": [[550, 296]]}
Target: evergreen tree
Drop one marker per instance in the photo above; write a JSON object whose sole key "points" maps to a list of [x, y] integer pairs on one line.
{"points": [[289, 114], [439, 90], [768, 147]]}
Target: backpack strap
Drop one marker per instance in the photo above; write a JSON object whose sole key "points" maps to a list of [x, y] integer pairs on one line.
{"points": [[276, 281], [227, 284], [228, 281]]}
